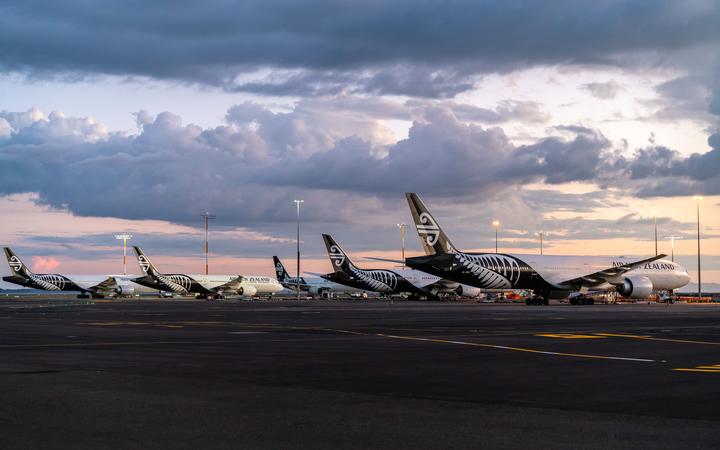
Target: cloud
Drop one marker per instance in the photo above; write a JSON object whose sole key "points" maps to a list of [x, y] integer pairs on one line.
{"points": [[658, 171], [346, 167], [44, 263], [313, 47], [604, 91]]}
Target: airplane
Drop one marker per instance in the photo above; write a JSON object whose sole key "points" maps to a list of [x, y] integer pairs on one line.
{"points": [[416, 283], [210, 287], [547, 276], [313, 286], [95, 286]]}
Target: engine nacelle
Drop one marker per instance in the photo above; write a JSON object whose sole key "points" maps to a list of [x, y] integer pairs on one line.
{"points": [[248, 291], [319, 291], [468, 291], [125, 289], [635, 287]]}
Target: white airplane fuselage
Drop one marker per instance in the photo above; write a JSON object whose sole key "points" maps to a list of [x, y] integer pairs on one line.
{"points": [[664, 274], [545, 272], [259, 283]]}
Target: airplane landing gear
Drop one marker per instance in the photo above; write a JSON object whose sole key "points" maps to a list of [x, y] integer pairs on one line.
{"points": [[537, 300], [582, 299]]}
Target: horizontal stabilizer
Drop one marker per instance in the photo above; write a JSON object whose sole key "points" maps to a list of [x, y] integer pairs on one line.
{"points": [[397, 261]]}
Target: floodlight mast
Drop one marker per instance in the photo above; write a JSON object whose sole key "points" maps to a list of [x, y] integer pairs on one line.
{"points": [[297, 279], [402, 227], [496, 224], [124, 237], [207, 217]]}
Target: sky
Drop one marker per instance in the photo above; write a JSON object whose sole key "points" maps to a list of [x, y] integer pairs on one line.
{"points": [[581, 121]]}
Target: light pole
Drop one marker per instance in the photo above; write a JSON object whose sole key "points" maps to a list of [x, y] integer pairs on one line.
{"points": [[697, 201], [672, 245], [207, 217], [124, 237], [542, 233], [655, 227], [297, 279], [402, 227], [496, 224]]}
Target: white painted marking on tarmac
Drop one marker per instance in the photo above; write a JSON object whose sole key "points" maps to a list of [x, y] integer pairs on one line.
{"points": [[498, 347]]}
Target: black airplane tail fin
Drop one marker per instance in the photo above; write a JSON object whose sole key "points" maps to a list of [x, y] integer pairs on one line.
{"points": [[339, 259], [144, 262], [433, 238], [17, 267], [280, 272]]}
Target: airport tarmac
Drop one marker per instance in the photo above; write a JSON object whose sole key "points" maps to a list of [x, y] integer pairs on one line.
{"points": [[357, 374]]}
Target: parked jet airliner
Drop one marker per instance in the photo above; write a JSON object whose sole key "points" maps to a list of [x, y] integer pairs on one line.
{"points": [[95, 286], [416, 283], [546, 276], [207, 286], [313, 286]]}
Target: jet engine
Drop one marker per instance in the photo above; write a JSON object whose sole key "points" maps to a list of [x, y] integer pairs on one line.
{"points": [[468, 291], [247, 290], [125, 290], [319, 291], [635, 287]]}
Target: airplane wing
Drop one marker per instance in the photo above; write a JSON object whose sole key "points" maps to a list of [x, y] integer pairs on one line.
{"points": [[441, 285], [398, 261], [605, 275], [232, 285], [315, 274], [107, 285]]}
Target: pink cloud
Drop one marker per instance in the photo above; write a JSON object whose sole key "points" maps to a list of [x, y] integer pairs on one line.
{"points": [[44, 264]]}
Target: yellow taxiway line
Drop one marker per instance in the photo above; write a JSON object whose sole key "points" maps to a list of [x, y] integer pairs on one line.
{"points": [[650, 338]]}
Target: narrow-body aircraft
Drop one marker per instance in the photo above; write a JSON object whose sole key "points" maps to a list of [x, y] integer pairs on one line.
{"points": [[312, 285]]}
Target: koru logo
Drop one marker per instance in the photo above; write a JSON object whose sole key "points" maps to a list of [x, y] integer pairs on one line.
{"points": [[144, 263], [337, 256], [429, 228], [15, 263], [279, 267]]}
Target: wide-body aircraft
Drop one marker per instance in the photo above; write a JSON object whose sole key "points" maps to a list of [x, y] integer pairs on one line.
{"points": [[547, 276], [95, 286], [210, 287], [312, 285], [396, 281]]}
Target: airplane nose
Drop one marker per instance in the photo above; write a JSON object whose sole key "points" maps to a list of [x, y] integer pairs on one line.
{"points": [[685, 277]]}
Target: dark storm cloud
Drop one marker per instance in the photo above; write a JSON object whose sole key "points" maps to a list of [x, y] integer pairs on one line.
{"points": [[658, 171], [249, 169], [418, 48]]}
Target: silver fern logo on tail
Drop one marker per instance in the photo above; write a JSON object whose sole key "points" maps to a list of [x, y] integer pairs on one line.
{"points": [[144, 263], [337, 256], [15, 263], [428, 228]]}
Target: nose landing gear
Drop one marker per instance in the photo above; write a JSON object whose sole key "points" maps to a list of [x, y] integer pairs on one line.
{"points": [[538, 300]]}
